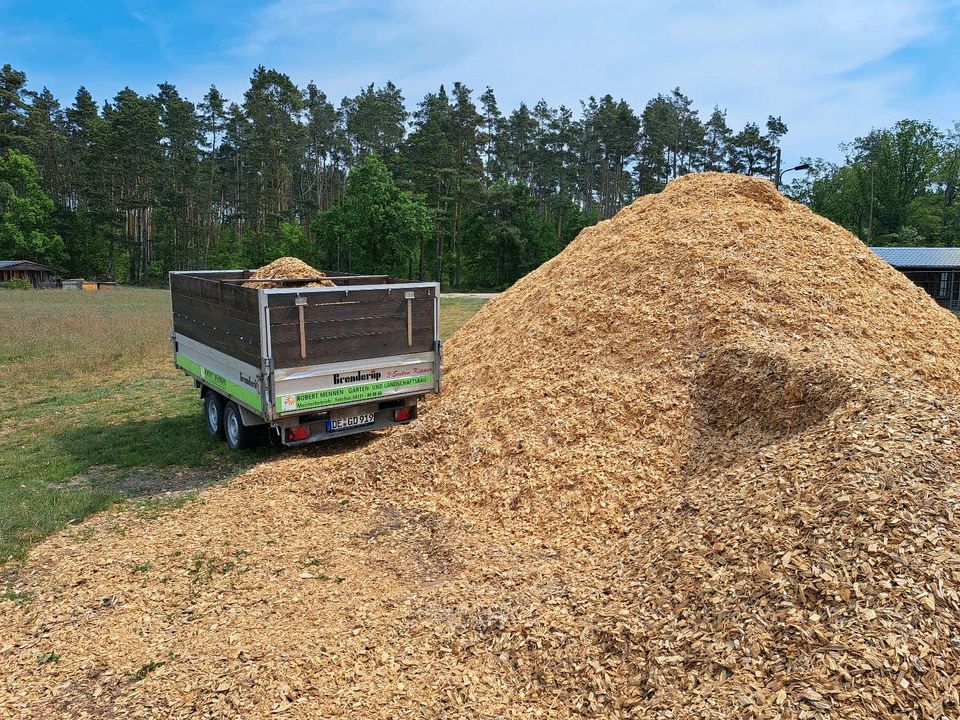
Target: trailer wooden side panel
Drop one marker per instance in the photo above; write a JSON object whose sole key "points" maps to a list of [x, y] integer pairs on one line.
{"points": [[220, 315]]}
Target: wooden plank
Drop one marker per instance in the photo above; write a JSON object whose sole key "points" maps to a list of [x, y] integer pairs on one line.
{"points": [[215, 313], [240, 298], [337, 279], [393, 306], [236, 299], [242, 331], [422, 315], [184, 285], [210, 299], [212, 276], [343, 349], [346, 329], [201, 313], [324, 297], [230, 344], [248, 352], [241, 280], [362, 280]]}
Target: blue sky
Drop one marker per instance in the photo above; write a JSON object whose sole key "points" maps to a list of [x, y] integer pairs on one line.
{"points": [[832, 69]]}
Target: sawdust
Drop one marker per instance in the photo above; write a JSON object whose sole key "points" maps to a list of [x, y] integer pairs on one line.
{"points": [[701, 464], [287, 268]]}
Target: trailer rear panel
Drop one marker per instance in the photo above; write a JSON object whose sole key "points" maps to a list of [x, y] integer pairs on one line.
{"points": [[343, 325]]}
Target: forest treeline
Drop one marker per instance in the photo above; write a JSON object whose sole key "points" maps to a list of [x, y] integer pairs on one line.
{"points": [[455, 189], [896, 186]]}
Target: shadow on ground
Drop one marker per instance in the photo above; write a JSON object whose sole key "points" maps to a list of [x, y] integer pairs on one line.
{"points": [[149, 457], [169, 455]]}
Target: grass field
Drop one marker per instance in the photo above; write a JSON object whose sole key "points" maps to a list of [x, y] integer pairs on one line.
{"points": [[92, 412]]}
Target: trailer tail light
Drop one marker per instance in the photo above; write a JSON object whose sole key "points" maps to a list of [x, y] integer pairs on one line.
{"points": [[298, 433], [402, 414]]}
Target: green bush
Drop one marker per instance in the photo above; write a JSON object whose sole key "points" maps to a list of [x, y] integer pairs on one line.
{"points": [[16, 284]]}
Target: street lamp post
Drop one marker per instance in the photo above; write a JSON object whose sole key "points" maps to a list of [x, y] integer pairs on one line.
{"points": [[780, 174]]}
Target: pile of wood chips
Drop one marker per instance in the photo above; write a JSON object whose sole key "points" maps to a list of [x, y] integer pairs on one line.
{"points": [[702, 464], [287, 268]]}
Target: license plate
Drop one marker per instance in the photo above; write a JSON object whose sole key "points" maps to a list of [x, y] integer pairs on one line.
{"points": [[349, 422]]}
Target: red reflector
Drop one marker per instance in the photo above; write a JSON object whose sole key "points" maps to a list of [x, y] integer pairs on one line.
{"points": [[300, 432], [403, 413]]}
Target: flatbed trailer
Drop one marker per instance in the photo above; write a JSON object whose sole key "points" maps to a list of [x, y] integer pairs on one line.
{"points": [[305, 363]]}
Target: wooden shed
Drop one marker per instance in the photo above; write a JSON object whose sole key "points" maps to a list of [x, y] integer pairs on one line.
{"points": [[935, 269], [38, 275]]}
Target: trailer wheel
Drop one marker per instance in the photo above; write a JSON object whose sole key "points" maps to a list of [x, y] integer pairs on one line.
{"points": [[238, 435], [213, 412]]}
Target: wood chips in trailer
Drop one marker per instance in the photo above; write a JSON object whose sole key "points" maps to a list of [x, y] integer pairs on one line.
{"points": [[287, 268]]}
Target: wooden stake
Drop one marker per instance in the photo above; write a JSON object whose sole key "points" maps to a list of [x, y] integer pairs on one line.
{"points": [[300, 302], [409, 296]]}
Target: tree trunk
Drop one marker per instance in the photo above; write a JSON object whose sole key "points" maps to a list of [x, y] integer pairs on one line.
{"points": [[456, 243], [420, 271]]}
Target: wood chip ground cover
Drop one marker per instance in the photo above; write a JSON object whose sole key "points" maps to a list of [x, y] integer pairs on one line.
{"points": [[701, 464]]}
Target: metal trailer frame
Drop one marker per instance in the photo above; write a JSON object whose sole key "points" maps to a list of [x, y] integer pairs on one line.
{"points": [[213, 370]]}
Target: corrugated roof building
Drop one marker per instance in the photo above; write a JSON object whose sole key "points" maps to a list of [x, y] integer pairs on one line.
{"points": [[38, 275], [935, 269]]}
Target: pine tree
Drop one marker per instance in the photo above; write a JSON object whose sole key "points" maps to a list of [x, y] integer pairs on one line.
{"points": [[520, 143], [326, 152], [181, 135], [91, 191], [491, 124], [275, 146], [428, 161], [14, 107], [467, 168], [45, 140], [615, 130], [716, 147], [375, 121], [673, 140], [134, 142], [213, 117]]}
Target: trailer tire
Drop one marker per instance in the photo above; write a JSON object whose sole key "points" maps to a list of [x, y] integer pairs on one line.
{"points": [[237, 435], [213, 406]]}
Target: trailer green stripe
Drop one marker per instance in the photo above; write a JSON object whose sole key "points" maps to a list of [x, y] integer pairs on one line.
{"points": [[229, 387], [349, 393]]}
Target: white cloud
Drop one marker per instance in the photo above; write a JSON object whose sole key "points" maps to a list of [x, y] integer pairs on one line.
{"points": [[288, 21], [819, 64]]}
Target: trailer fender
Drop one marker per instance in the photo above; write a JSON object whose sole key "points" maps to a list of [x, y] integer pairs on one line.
{"points": [[249, 417]]}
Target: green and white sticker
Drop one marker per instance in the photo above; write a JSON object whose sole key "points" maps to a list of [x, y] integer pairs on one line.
{"points": [[235, 390], [349, 393]]}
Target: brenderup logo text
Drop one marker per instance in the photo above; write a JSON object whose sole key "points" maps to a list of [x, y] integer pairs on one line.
{"points": [[356, 377]]}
